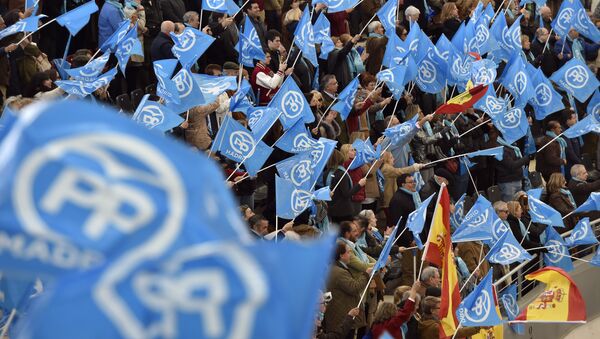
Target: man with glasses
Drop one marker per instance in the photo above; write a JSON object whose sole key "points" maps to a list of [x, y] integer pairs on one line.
{"points": [[579, 186]]}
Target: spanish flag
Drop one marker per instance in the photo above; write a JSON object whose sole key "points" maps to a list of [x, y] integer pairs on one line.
{"points": [[560, 302], [438, 240], [464, 100]]}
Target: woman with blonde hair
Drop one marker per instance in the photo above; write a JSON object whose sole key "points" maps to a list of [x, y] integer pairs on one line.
{"points": [[450, 19], [561, 199], [389, 319]]}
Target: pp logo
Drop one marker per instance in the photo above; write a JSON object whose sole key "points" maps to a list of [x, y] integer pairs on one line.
{"points": [[498, 229], [404, 130], [301, 172], [151, 116], [255, 117], [510, 305], [215, 4], [494, 105], [333, 4], [507, 253], [481, 308], [92, 69], [253, 39], [477, 219], [184, 83], [534, 210], [414, 45], [582, 18], [520, 82], [543, 95], [317, 153], [580, 233], [19, 26], [556, 251], [292, 104], [187, 40], [391, 18], [512, 118], [386, 76], [482, 34], [242, 143], [484, 76], [300, 200], [563, 21], [516, 38], [125, 48], [427, 72], [214, 88], [302, 142], [577, 77], [219, 287], [307, 35]]}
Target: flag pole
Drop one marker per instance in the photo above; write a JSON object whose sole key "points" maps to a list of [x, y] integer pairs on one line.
{"points": [[276, 227], [393, 114], [13, 312], [568, 256], [548, 40], [414, 266], [342, 177], [367, 24], [325, 113], [471, 276], [470, 176], [474, 128], [526, 232], [549, 142], [498, 11], [64, 59], [457, 328], [37, 30]]}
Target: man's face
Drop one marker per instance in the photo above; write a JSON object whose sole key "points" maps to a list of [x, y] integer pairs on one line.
{"points": [[253, 10], [503, 212], [572, 120], [543, 36], [194, 21], [410, 184], [583, 175], [557, 129], [379, 30], [332, 85], [355, 233], [263, 227], [435, 281], [274, 44]]}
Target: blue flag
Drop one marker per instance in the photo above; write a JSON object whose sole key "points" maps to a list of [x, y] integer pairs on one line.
{"points": [[29, 24], [213, 86], [458, 216], [305, 38], [496, 152], [387, 16], [459, 40], [321, 153], [583, 24], [591, 204], [238, 144], [593, 106], [517, 81], [558, 253], [477, 223], [530, 143], [576, 78], [430, 72], [297, 169], [546, 100], [447, 53], [334, 6], [221, 6], [292, 104], [126, 47], [385, 252], [216, 289], [596, 259], [322, 32], [511, 307], [393, 78], [290, 200], [395, 51], [403, 133], [478, 37], [166, 88], [508, 39], [483, 72], [591, 123], [110, 44], [297, 139], [507, 250], [563, 21], [499, 227], [479, 307], [7, 120], [188, 92], [75, 19], [85, 88], [365, 153], [542, 213], [153, 115], [513, 124], [260, 120], [416, 221], [323, 194], [346, 99], [249, 45], [100, 187], [90, 71], [190, 45], [239, 100], [582, 234]]}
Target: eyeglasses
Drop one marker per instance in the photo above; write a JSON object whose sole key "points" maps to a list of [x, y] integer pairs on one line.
{"points": [[505, 211]]}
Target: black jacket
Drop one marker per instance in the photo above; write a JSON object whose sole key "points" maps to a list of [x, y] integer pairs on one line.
{"points": [[547, 60], [161, 47], [341, 202], [511, 167], [513, 222], [582, 190], [450, 27], [337, 64], [172, 10]]}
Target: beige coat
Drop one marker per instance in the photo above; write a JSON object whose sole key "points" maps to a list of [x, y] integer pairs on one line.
{"points": [[390, 174]]}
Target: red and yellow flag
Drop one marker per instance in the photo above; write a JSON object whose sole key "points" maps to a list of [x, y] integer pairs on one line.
{"points": [[450, 297], [560, 302], [464, 100], [438, 240]]}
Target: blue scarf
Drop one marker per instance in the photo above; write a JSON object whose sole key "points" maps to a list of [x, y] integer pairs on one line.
{"points": [[427, 128], [357, 250], [514, 148], [415, 196], [577, 49], [569, 195], [375, 35], [523, 229], [563, 147], [355, 64]]}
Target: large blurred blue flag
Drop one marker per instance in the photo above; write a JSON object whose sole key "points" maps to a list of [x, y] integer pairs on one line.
{"points": [[292, 104], [84, 88], [496, 152], [517, 80], [75, 19], [403, 133], [479, 307], [297, 139], [238, 144], [477, 223], [558, 253], [153, 115], [387, 16], [212, 289], [220, 6], [190, 45], [305, 38], [507, 250], [322, 32], [166, 87], [416, 220], [576, 78], [491, 104], [546, 100], [542, 213], [334, 6], [29, 24], [591, 204], [213, 86], [513, 124], [126, 47], [90, 71], [582, 234], [509, 300], [346, 99]]}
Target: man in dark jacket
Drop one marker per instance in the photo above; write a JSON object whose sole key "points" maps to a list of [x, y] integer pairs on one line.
{"points": [[253, 11], [337, 62], [544, 58], [509, 172], [578, 185], [549, 159], [172, 10], [225, 32], [162, 44]]}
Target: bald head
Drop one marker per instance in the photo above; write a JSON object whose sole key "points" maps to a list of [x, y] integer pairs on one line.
{"points": [[546, 13], [167, 27]]}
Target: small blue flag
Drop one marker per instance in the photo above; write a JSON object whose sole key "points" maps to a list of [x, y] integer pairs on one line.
{"points": [[239, 100], [90, 71], [213, 86], [85, 88], [113, 40], [403, 133], [448, 53], [513, 124], [507, 250], [305, 38], [499, 227], [290, 200], [395, 51], [419, 182], [153, 115], [478, 37], [188, 92], [483, 72], [334, 6], [517, 80], [479, 307], [508, 40], [530, 143], [365, 153], [591, 204], [296, 139], [542, 213], [563, 21], [582, 234], [346, 99], [558, 253], [477, 223], [496, 152], [220, 6], [591, 123], [594, 104], [387, 16], [323, 194], [459, 40], [576, 78], [416, 220], [125, 48], [458, 216], [385, 252], [322, 31], [29, 24], [260, 120], [393, 78], [297, 169], [292, 104], [546, 100], [190, 45], [321, 153], [75, 19], [430, 72], [511, 307], [584, 25], [596, 259], [166, 88], [249, 45]]}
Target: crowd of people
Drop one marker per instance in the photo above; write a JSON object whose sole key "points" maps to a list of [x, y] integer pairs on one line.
{"points": [[368, 201]]}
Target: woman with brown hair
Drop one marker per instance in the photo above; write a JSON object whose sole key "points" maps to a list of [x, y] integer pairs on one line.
{"points": [[389, 319], [450, 19], [429, 327], [561, 199]]}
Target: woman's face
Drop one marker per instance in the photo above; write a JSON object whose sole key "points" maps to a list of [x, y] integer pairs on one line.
{"points": [[295, 4], [316, 100], [518, 212], [436, 311], [352, 153], [331, 116], [371, 86], [47, 83]]}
